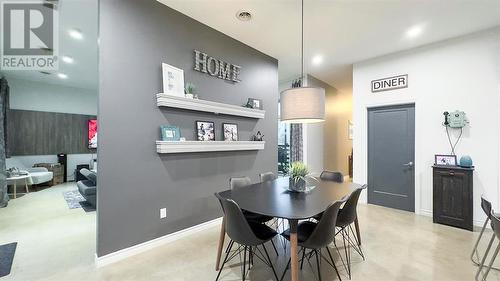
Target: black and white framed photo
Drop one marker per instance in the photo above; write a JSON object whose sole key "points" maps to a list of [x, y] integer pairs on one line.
{"points": [[445, 160], [205, 131], [255, 103], [230, 131], [173, 80]]}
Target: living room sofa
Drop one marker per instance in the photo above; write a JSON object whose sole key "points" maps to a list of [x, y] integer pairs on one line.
{"points": [[88, 186], [38, 175]]}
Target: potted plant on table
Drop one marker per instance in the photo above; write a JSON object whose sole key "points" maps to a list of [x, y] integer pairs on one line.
{"points": [[298, 172]]}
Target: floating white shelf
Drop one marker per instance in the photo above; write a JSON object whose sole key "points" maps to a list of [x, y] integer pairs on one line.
{"points": [[208, 106], [207, 146]]}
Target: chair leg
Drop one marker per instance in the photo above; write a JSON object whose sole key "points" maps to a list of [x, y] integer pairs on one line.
{"points": [[270, 262], [227, 249], [481, 265], [225, 260], [474, 250], [333, 263], [347, 251], [286, 269], [274, 246], [356, 245], [303, 258], [491, 261], [318, 265], [244, 263], [358, 232]]}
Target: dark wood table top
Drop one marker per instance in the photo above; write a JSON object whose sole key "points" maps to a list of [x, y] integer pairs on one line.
{"points": [[273, 199]]}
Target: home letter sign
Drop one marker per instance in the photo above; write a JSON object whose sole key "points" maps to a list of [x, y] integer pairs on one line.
{"points": [[215, 67], [391, 83]]}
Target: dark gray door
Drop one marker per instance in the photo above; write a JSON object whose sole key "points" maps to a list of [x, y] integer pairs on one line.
{"points": [[391, 153]]}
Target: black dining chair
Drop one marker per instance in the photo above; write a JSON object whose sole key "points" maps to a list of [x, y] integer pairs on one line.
{"points": [[332, 176], [238, 182], [269, 176], [495, 225], [346, 218], [486, 206], [249, 235], [279, 224], [316, 236]]}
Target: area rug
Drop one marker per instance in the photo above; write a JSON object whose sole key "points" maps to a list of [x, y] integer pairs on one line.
{"points": [[75, 200], [7, 252]]}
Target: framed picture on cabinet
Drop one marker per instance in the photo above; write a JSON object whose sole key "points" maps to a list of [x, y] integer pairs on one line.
{"points": [[445, 160]]}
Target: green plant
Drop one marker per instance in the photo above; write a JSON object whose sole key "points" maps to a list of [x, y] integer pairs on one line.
{"points": [[298, 171], [190, 88]]}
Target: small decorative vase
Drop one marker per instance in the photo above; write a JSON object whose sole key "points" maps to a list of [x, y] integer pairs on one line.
{"points": [[297, 186], [189, 96], [466, 161]]}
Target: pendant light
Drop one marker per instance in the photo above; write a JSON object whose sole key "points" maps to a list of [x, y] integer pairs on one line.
{"points": [[302, 104]]}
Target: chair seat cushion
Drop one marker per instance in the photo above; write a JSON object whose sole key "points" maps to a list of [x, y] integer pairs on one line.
{"points": [[262, 231], [250, 216], [304, 230]]}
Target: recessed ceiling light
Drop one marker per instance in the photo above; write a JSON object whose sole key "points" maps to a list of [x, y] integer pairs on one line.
{"points": [[67, 59], [62, 75], [317, 59], [414, 31], [244, 15], [75, 34]]}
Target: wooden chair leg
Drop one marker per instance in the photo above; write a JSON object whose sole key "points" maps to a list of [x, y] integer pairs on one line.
{"points": [[358, 233], [222, 236]]}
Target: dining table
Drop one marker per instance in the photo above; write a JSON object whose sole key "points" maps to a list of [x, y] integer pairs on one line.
{"points": [[273, 198]]}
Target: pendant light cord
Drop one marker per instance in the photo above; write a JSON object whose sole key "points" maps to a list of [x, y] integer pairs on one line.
{"points": [[302, 47]]}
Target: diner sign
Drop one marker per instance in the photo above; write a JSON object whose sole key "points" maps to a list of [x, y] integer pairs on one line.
{"points": [[390, 83]]}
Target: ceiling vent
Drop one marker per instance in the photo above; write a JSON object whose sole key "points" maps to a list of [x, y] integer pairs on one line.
{"points": [[244, 15]]}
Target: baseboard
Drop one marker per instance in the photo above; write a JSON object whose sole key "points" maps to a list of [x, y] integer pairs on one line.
{"points": [[478, 223], [151, 244]]}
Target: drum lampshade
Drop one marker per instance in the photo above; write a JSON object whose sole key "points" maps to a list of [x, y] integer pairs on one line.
{"points": [[302, 105]]}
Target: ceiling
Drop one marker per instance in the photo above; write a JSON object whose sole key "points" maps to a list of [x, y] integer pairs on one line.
{"points": [[341, 31], [83, 72]]}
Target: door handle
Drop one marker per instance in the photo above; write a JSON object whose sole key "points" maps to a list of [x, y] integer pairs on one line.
{"points": [[409, 164]]}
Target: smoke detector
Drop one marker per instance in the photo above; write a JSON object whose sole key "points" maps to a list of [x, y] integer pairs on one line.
{"points": [[244, 15]]}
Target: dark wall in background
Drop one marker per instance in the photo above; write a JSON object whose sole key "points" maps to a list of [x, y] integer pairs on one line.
{"points": [[47, 133], [135, 181]]}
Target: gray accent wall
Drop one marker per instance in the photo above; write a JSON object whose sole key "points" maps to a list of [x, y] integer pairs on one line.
{"points": [[47, 133], [135, 181]]}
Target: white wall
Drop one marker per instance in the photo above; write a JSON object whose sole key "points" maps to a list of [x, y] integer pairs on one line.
{"points": [[461, 74], [30, 95], [37, 96]]}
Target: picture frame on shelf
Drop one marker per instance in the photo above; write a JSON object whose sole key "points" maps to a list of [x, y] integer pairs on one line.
{"points": [[230, 131], [255, 103], [205, 131], [173, 80], [445, 160], [170, 133], [350, 130]]}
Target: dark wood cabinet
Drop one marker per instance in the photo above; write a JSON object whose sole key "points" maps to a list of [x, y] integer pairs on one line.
{"points": [[453, 190]]}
